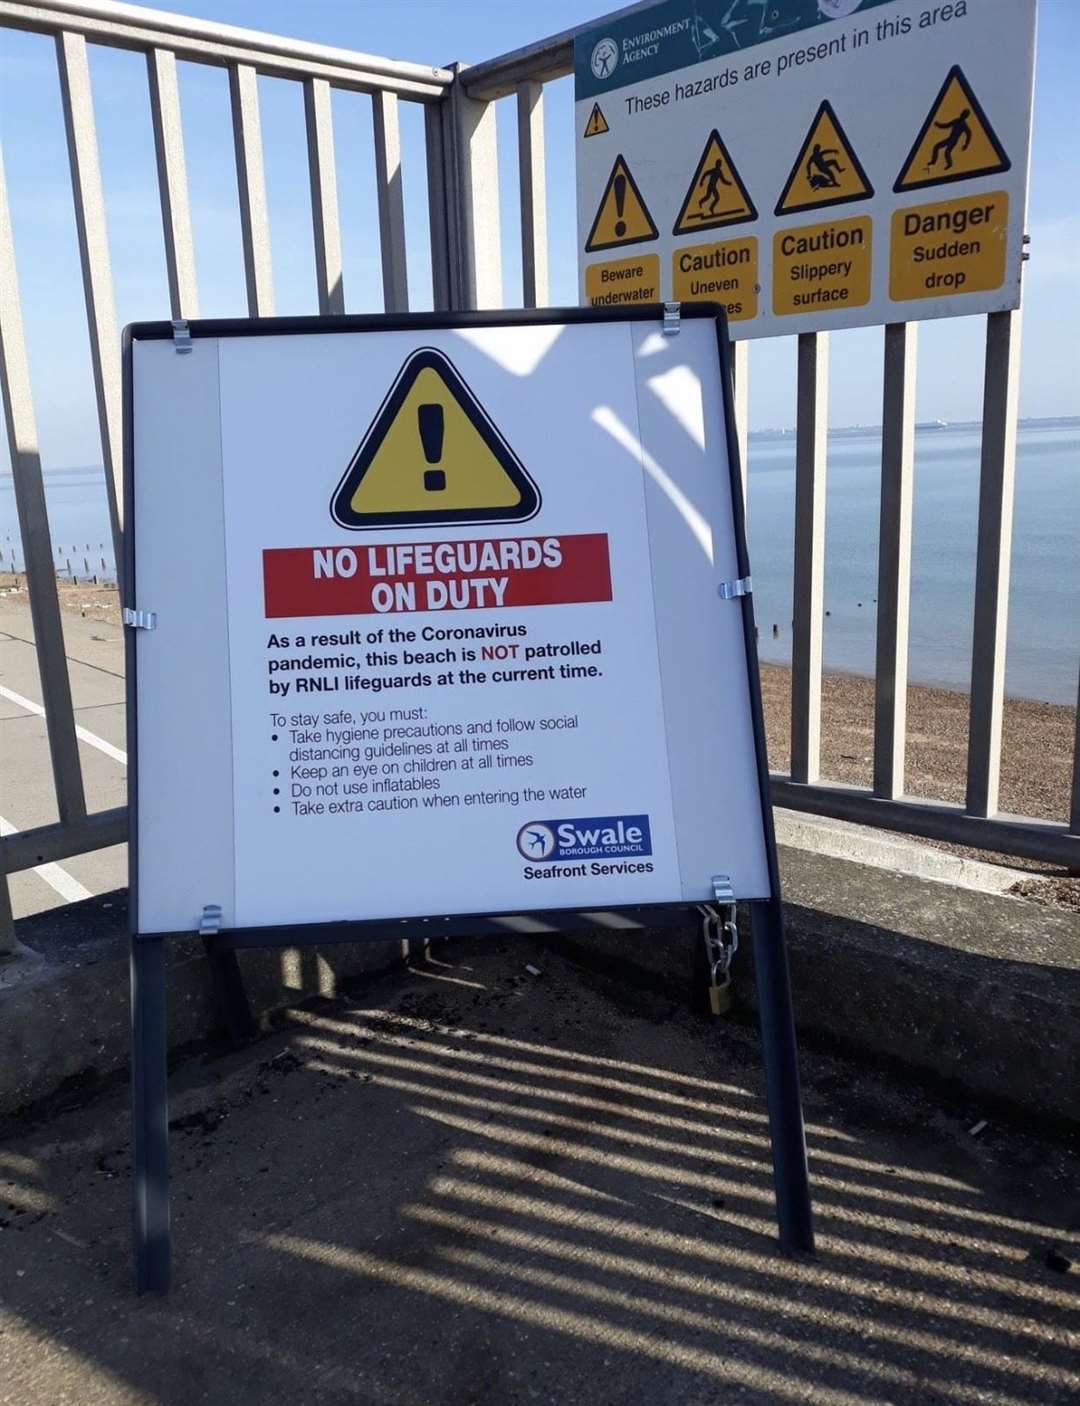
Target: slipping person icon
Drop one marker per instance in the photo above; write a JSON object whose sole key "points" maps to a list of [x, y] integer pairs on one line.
{"points": [[714, 178], [958, 131], [822, 167]]}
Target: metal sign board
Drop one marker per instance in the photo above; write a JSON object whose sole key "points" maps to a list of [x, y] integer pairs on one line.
{"points": [[437, 615], [808, 164], [447, 656]]}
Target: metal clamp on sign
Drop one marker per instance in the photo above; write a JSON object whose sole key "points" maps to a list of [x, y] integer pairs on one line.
{"points": [[731, 590], [139, 619]]}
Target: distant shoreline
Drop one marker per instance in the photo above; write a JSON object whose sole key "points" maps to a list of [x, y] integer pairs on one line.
{"points": [[1036, 765], [1032, 422], [835, 671], [1037, 741], [74, 595], [1064, 422]]}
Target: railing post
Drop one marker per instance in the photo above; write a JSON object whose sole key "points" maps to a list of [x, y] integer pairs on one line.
{"points": [[811, 428], [322, 177], [1074, 808], [172, 182], [18, 403], [996, 480], [7, 922], [894, 558], [533, 187], [254, 220], [472, 185], [89, 200], [391, 202], [436, 120]]}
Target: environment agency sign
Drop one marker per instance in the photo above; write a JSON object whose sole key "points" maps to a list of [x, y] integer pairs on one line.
{"points": [[806, 163]]}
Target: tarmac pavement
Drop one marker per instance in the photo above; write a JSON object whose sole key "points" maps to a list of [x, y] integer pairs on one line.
{"points": [[467, 1185], [96, 669]]}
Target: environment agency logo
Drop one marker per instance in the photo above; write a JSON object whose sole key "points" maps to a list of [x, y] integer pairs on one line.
{"points": [[605, 58]]}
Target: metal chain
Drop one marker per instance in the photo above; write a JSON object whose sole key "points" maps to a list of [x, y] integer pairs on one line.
{"points": [[721, 935]]}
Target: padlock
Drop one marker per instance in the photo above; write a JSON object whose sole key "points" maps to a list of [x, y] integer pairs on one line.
{"points": [[722, 995]]}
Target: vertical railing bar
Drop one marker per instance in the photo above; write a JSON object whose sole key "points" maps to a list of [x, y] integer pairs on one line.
{"points": [[77, 97], [1074, 808], [172, 182], [18, 403], [809, 579], [251, 181], [7, 921], [740, 377], [434, 143], [894, 558], [533, 189], [996, 479], [384, 109], [472, 184], [322, 171]]}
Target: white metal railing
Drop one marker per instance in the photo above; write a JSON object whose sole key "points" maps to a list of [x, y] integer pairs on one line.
{"points": [[463, 208], [245, 54]]}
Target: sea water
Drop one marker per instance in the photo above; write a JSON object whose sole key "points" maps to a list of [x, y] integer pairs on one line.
{"points": [[1044, 596], [78, 523]]}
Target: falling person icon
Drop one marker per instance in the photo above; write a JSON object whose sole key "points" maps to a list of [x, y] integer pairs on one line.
{"points": [[958, 131], [714, 178]]}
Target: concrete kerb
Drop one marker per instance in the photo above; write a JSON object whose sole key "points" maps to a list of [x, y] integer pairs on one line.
{"points": [[883, 849], [981, 990], [64, 999]]}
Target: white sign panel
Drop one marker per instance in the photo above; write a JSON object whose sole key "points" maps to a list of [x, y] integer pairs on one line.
{"points": [[808, 164], [438, 627]]}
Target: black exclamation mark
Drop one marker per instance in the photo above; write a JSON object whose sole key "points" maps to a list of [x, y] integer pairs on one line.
{"points": [[429, 419], [620, 204]]}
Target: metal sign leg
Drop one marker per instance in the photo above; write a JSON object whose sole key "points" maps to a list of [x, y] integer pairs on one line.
{"points": [[229, 993], [790, 1176], [150, 1114]]}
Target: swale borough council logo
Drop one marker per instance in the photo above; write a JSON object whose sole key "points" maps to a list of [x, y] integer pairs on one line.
{"points": [[605, 58], [585, 837], [536, 840]]}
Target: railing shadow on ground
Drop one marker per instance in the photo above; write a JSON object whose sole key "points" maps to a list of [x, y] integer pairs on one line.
{"points": [[429, 1198]]}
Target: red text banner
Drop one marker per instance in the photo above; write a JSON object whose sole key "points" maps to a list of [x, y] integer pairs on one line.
{"points": [[399, 577]]}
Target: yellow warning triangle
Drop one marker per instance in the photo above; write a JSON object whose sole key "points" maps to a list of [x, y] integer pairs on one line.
{"points": [[431, 455], [597, 123], [826, 170], [622, 216], [716, 195], [955, 142]]}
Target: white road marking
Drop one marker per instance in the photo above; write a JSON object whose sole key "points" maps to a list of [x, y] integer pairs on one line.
{"points": [[83, 734], [69, 888]]}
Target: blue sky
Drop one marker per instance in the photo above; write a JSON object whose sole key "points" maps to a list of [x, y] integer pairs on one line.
{"points": [[439, 31]]}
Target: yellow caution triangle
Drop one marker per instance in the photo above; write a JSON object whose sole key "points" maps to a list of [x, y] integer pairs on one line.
{"points": [[622, 217], [597, 123], [716, 195], [826, 170], [431, 456], [955, 143]]}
